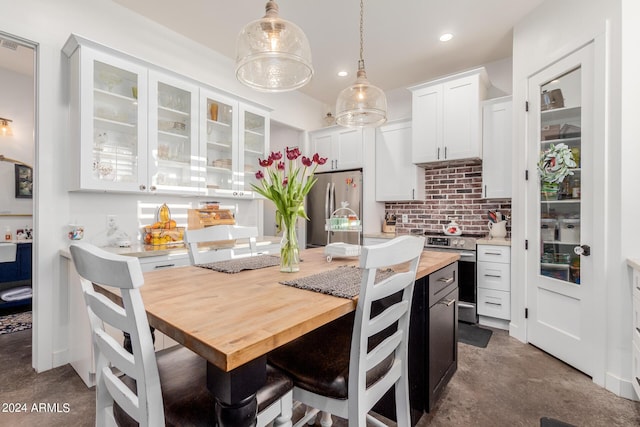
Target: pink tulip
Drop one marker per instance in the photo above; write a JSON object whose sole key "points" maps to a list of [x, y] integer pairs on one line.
{"points": [[259, 175], [307, 161]]}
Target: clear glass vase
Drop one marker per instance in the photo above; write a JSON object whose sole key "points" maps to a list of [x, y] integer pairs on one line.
{"points": [[289, 250]]}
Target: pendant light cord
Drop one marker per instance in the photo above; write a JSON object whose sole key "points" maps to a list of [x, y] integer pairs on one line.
{"points": [[361, 62]]}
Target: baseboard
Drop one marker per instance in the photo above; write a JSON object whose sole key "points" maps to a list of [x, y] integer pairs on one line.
{"points": [[60, 358], [516, 332], [493, 322], [620, 387]]}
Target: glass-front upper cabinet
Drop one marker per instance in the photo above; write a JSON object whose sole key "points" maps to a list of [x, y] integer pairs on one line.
{"points": [[560, 147], [254, 140], [234, 137], [109, 122], [173, 135]]}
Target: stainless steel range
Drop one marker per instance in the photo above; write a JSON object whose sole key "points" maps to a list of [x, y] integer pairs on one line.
{"points": [[465, 245]]}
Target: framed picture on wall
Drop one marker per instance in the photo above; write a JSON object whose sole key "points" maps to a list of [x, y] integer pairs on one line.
{"points": [[24, 182]]}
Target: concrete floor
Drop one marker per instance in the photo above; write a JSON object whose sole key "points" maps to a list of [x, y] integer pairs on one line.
{"points": [[506, 384]]}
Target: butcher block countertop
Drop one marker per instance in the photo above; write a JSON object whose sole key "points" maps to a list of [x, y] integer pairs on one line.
{"points": [[231, 319]]}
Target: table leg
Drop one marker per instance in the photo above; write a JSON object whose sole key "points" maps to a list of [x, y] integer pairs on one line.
{"points": [[127, 339], [235, 392]]}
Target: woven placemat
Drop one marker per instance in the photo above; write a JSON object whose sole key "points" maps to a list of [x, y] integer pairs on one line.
{"points": [[237, 265], [343, 282]]}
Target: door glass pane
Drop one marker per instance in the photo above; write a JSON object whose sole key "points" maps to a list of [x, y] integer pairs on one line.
{"points": [[174, 138], [115, 124], [560, 175], [254, 145], [219, 145]]}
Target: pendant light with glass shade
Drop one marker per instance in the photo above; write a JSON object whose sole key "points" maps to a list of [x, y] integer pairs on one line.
{"points": [[361, 104], [272, 54]]}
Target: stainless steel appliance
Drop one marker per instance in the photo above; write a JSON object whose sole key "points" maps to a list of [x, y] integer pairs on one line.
{"points": [[465, 245], [331, 192]]}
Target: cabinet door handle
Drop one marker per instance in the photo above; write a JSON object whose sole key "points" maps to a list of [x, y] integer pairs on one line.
{"points": [[447, 303], [493, 275], [438, 155], [493, 253], [485, 191], [164, 266], [445, 153], [493, 303], [445, 280]]}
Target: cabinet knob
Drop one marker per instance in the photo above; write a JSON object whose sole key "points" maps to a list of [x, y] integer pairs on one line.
{"points": [[152, 188], [143, 187]]}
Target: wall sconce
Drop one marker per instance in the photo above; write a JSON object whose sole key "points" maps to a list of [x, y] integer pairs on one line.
{"points": [[5, 127]]}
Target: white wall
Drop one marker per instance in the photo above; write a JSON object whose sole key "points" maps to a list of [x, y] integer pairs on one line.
{"points": [[552, 31], [49, 24]]}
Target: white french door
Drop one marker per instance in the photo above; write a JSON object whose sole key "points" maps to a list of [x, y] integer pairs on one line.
{"points": [[560, 288]]}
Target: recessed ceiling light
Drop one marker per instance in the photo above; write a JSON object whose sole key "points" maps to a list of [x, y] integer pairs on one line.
{"points": [[446, 37], [342, 74]]}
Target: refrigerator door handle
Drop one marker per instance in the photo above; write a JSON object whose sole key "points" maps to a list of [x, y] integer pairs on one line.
{"points": [[327, 201], [332, 199]]}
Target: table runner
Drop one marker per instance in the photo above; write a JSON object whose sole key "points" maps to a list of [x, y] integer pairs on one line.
{"points": [[237, 265], [343, 282]]}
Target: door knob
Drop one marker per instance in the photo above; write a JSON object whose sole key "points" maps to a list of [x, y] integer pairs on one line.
{"points": [[582, 250]]}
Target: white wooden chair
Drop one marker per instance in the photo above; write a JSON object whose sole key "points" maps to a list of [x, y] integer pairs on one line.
{"points": [[345, 367], [157, 389], [216, 233]]}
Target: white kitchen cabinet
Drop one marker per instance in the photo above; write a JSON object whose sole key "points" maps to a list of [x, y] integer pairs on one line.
{"points": [[161, 262], [397, 178], [494, 285], [341, 146], [447, 117], [173, 146], [138, 128], [108, 121], [496, 148], [233, 137]]}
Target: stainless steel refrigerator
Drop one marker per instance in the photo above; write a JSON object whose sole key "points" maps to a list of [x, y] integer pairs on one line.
{"points": [[330, 193]]}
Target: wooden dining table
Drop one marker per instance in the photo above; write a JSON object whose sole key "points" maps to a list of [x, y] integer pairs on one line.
{"points": [[234, 320]]}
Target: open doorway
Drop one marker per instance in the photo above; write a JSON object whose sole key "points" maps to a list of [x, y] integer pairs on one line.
{"points": [[17, 162]]}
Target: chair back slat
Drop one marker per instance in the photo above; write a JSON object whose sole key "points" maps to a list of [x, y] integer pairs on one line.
{"points": [[105, 268], [96, 266], [122, 395], [107, 310], [216, 233], [219, 233], [391, 285], [383, 350], [117, 356], [401, 250], [250, 233], [387, 318]]}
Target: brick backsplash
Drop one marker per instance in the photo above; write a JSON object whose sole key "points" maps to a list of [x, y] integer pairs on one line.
{"points": [[452, 190]]}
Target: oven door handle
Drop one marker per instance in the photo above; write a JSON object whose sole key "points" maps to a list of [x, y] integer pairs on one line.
{"points": [[468, 255], [465, 305]]}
